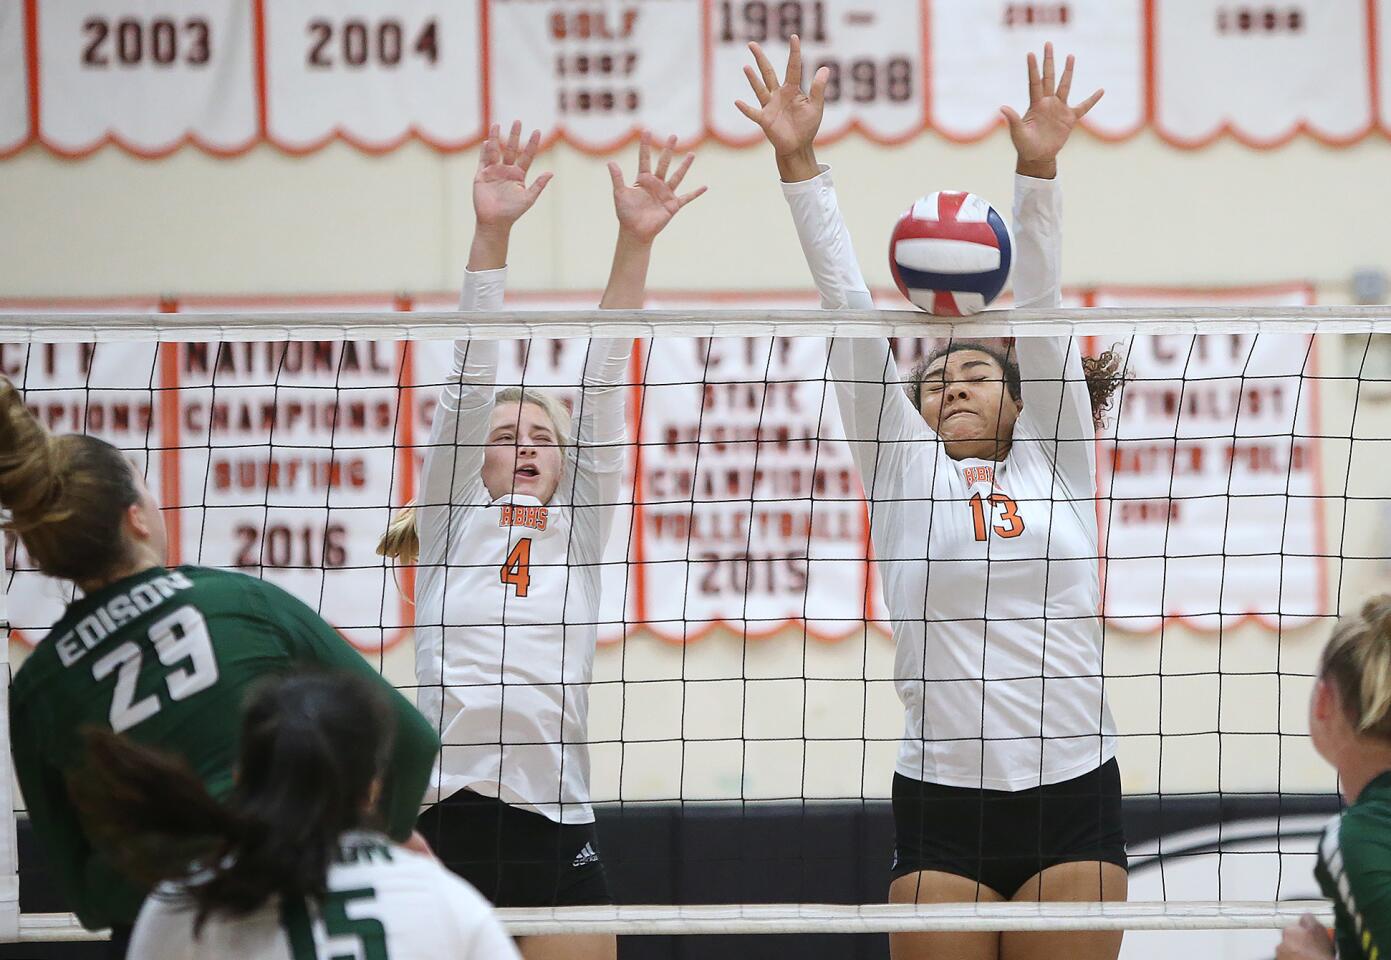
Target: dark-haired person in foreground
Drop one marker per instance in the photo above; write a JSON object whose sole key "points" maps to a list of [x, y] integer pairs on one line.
{"points": [[980, 478], [292, 865], [1350, 726], [163, 655]]}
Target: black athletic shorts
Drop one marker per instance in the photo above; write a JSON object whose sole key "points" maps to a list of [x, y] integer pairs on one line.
{"points": [[1002, 838], [516, 858]]}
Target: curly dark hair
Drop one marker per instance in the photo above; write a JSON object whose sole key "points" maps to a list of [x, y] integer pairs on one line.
{"points": [[1105, 374]]}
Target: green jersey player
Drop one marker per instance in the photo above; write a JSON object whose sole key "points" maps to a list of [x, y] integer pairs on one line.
{"points": [[162, 655], [1350, 725]]}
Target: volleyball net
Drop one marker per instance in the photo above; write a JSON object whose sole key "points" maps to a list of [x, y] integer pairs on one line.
{"points": [[743, 721]]}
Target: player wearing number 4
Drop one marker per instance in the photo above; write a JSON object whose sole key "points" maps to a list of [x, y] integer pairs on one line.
{"points": [[980, 482], [509, 528], [162, 655], [291, 865]]}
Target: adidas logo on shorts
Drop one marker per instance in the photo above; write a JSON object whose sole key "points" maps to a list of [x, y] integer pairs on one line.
{"points": [[586, 855]]}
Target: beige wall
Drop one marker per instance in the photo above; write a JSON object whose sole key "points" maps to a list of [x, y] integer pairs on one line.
{"points": [[339, 220], [1138, 212]]}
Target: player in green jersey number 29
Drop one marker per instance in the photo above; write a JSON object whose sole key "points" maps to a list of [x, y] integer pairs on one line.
{"points": [[162, 655], [288, 868], [1350, 725]]}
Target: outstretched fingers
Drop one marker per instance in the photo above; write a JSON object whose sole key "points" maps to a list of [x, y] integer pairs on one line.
{"points": [[1065, 82], [537, 185], [1082, 108], [533, 144], [753, 113], [664, 159], [616, 175], [765, 67], [675, 179], [513, 146], [1048, 70], [645, 153], [686, 198], [760, 90], [792, 76], [1035, 82], [492, 150], [818, 86]]}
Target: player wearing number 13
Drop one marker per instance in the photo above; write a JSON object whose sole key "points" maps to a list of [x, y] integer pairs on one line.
{"points": [[162, 655], [980, 481]]}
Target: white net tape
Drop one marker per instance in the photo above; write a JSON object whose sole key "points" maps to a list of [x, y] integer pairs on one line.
{"points": [[507, 325], [800, 918]]}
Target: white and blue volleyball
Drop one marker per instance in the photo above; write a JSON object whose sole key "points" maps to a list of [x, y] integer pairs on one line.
{"points": [[951, 254]]}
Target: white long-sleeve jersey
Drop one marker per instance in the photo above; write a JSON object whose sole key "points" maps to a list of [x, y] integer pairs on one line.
{"points": [[507, 593], [995, 602], [383, 901]]}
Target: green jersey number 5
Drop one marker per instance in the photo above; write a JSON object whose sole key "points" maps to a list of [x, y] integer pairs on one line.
{"points": [[337, 926], [181, 641]]}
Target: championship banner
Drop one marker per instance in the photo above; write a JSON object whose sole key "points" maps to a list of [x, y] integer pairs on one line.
{"points": [[373, 74], [594, 73], [144, 74], [1262, 73], [1209, 478], [224, 75], [979, 51], [874, 52]]}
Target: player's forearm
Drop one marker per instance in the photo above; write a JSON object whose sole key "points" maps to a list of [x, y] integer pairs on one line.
{"points": [[799, 165], [1038, 169], [627, 286], [489, 249], [826, 243]]}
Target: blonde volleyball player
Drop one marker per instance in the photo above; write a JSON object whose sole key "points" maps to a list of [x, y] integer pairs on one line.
{"points": [[1350, 726], [983, 518], [292, 864], [512, 518]]}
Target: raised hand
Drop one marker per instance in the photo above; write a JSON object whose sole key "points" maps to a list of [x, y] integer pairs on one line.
{"points": [[788, 116], [648, 205], [500, 191], [643, 210], [1040, 134]]}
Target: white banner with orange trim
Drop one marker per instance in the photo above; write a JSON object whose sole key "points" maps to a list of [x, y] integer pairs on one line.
{"points": [[224, 75], [1210, 497]]}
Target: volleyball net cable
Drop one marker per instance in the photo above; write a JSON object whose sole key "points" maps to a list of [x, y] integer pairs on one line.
{"points": [[745, 666]]}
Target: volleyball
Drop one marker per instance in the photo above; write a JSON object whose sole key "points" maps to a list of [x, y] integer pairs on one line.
{"points": [[951, 254]]}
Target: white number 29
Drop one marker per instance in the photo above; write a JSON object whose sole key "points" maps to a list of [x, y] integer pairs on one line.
{"points": [[182, 635]]}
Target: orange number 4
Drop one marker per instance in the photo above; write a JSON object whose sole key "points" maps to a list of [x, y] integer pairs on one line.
{"points": [[517, 569], [1011, 523]]}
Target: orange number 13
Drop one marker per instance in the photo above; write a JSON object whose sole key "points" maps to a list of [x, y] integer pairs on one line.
{"points": [[517, 569], [1011, 523]]}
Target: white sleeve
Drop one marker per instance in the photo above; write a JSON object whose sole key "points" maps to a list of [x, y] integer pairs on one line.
{"points": [[878, 417], [1056, 402], [163, 931], [601, 434], [459, 432]]}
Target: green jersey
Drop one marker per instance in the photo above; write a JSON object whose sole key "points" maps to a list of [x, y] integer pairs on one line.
{"points": [[1354, 871], [166, 657]]}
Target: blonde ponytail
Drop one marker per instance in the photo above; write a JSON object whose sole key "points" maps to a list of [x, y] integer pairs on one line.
{"points": [[1357, 661], [401, 542], [65, 496]]}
